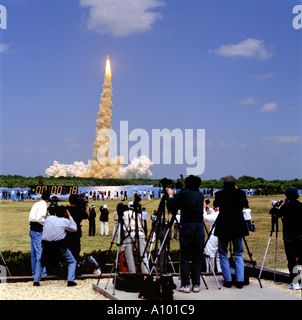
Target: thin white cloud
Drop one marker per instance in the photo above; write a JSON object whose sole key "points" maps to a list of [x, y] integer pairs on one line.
{"points": [[262, 77], [269, 107], [282, 139], [249, 48], [250, 100], [4, 47], [121, 17]]}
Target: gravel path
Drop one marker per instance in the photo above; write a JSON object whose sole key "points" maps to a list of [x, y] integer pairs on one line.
{"points": [[278, 286], [50, 290], [58, 290]]}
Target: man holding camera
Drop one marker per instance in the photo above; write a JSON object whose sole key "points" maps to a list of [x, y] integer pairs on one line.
{"points": [[79, 211], [231, 227], [191, 236], [53, 236], [291, 213]]}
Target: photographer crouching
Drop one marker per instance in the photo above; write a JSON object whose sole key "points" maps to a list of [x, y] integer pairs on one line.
{"points": [[290, 211], [53, 243]]}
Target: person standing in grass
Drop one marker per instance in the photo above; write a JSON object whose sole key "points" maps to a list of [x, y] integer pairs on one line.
{"points": [[37, 216]]}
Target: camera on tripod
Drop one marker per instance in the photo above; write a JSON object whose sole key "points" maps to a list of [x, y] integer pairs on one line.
{"points": [[53, 205], [276, 203]]}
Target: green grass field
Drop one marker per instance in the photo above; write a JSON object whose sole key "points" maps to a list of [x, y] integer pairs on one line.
{"points": [[14, 229]]}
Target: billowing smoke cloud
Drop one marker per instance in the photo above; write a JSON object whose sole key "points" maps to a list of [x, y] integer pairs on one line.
{"points": [[77, 169], [102, 165], [138, 168]]}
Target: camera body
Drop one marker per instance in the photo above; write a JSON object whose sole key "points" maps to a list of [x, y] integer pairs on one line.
{"points": [[251, 226], [53, 205], [81, 201], [276, 203]]}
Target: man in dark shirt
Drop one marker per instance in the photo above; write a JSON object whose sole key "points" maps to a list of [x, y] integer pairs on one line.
{"points": [[79, 211], [191, 237], [291, 213], [231, 226]]}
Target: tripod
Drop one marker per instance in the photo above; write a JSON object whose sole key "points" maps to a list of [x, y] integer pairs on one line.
{"points": [[119, 230], [5, 264], [273, 223], [252, 262], [166, 235]]}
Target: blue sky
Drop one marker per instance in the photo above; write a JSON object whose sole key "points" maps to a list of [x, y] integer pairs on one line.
{"points": [[231, 67]]}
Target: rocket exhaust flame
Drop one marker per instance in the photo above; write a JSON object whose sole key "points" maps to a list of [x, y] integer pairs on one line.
{"points": [[108, 68]]}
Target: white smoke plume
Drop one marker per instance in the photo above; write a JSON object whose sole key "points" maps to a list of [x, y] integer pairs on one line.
{"points": [[138, 168], [77, 169]]}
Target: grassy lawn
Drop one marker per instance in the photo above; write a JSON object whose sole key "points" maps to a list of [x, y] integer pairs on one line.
{"points": [[14, 228]]}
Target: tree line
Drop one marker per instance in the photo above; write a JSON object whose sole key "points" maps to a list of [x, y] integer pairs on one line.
{"points": [[243, 182]]}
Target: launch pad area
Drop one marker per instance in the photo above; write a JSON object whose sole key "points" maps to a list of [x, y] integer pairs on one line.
{"points": [[249, 292]]}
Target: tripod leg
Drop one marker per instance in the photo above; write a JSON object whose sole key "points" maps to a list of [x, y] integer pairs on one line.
{"points": [[276, 248], [213, 271], [5, 264], [269, 240], [170, 260], [117, 258], [204, 282], [253, 263]]}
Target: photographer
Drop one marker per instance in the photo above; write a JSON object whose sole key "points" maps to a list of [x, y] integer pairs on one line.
{"points": [[92, 216], [191, 236], [79, 211], [291, 213], [104, 218], [211, 248], [231, 227], [134, 239], [54, 232]]}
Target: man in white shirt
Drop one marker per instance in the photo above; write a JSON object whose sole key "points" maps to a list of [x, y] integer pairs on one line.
{"points": [[37, 216], [133, 240], [54, 233], [211, 248]]}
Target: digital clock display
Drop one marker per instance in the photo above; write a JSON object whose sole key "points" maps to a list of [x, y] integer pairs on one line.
{"points": [[39, 189]]}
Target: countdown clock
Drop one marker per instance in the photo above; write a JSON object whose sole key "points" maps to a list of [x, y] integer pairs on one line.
{"points": [[54, 190]]}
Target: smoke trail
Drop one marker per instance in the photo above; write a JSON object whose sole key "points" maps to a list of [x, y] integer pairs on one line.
{"points": [[102, 165]]}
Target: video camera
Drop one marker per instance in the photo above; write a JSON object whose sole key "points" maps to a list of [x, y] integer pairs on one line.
{"points": [[81, 201], [53, 205], [251, 226], [121, 208], [276, 203]]}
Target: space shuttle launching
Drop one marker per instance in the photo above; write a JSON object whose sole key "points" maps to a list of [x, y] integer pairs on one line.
{"points": [[101, 165]]}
